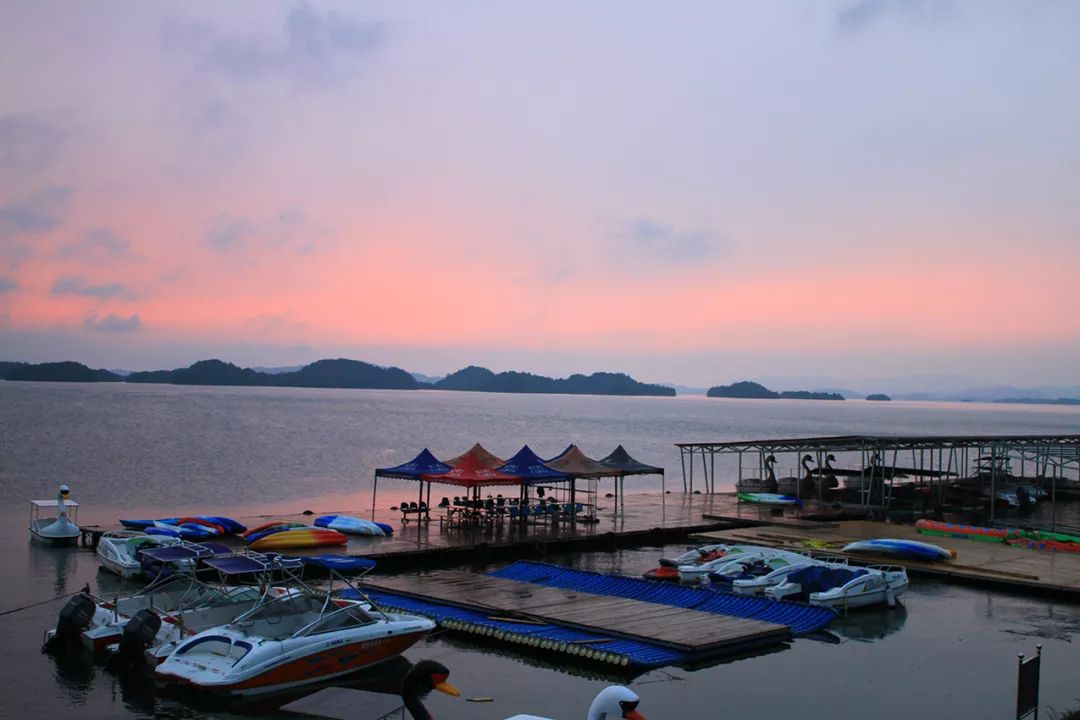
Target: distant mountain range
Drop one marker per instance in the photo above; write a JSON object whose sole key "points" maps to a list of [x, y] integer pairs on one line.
{"points": [[340, 373], [757, 391]]}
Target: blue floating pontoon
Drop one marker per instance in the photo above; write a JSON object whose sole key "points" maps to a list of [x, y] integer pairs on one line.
{"points": [[801, 618]]}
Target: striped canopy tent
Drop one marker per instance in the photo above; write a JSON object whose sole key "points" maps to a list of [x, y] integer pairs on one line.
{"points": [[622, 461], [577, 464], [480, 453], [423, 464]]}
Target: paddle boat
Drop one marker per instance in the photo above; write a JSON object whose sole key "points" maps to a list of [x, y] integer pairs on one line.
{"points": [[669, 567], [292, 641], [118, 550], [898, 547], [769, 498], [58, 529], [757, 584], [730, 562], [353, 525], [614, 701], [842, 587]]}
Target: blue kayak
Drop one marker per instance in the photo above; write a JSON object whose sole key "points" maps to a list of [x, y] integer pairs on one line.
{"points": [[909, 549], [353, 525]]}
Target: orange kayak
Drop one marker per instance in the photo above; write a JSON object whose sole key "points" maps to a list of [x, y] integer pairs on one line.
{"points": [[303, 537]]}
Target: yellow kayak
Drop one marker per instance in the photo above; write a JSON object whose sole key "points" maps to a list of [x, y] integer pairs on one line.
{"points": [[304, 537]]}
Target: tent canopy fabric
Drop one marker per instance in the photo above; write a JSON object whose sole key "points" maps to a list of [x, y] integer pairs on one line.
{"points": [[528, 465], [621, 460], [478, 451], [575, 463], [470, 471], [423, 464]]}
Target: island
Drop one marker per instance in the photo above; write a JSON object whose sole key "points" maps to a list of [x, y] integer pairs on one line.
{"points": [[756, 391], [481, 379], [879, 397], [338, 373], [66, 371]]}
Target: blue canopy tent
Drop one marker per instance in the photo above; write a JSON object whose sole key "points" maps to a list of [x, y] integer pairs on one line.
{"points": [[531, 469], [423, 464]]}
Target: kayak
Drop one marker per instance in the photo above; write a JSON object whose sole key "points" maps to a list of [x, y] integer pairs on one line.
{"points": [[909, 549], [990, 534], [266, 528], [301, 537], [1051, 545], [769, 498], [353, 525], [222, 525]]}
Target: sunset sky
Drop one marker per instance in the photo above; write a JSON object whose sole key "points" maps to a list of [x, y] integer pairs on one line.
{"points": [[695, 192]]}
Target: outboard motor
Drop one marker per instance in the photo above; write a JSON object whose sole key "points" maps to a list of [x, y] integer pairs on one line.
{"points": [[139, 634], [74, 618]]}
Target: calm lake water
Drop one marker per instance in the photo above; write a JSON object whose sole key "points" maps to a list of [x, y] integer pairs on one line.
{"points": [[163, 450]]}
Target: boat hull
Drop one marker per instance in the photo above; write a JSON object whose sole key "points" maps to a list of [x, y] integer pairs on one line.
{"points": [[300, 538], [323, 662]]}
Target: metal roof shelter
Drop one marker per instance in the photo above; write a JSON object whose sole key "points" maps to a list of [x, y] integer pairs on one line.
{"points": [[885, 457]]}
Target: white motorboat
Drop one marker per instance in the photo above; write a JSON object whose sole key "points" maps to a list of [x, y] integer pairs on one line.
{"points": [[290, 642], [58, 526], [729, 562], [843, 588], [758, 585], [668, 569], [118, 550]]}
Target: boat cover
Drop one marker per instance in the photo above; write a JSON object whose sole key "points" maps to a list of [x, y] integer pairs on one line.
{"points": [[819, 578], [186, 551]]}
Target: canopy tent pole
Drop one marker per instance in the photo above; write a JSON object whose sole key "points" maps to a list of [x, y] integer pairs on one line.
{"points": [[374, 492]]}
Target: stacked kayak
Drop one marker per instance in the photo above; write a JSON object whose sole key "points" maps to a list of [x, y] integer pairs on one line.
{"points": [[769, 498], [353, 525], [261, 531], [907, 549], [287, 538], [1034, 539], [192, 527]]}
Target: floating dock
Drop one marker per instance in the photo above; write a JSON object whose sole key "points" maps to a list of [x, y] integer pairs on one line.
{"points": [[976, 562], [618, 620]]}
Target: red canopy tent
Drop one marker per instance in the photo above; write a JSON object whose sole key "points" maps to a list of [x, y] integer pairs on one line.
{"points": [[471, 471], [479, 453]]}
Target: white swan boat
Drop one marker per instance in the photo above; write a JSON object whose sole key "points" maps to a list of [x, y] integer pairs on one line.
{"points": [[730, 562], [843, 588], [58, 528], [118, 550], [290, 642]]}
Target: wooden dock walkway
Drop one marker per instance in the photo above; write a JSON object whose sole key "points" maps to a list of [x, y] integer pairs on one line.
{"points": [[975, 562], [689, 631]]}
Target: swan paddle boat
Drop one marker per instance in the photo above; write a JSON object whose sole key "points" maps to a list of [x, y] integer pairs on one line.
{"points": [[669, 567], [292, 641], [900, 548], [58, 529], [842, 588], [118, 550], [614, 701], [353, 525]]}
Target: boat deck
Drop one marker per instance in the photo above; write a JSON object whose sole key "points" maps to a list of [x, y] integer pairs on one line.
{"points": [[976, 561], [690, 631]]}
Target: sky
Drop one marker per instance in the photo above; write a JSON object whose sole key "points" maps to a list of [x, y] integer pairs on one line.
{"points": [[694, 192]]}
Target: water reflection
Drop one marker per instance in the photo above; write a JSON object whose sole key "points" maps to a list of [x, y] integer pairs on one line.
{"points": [[61, 562], [868, 624]]}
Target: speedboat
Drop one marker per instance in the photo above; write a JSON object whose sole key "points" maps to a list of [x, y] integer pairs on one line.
{"points": [[58, 530], [758, 584], [669, 567], [152, 635], [119, 550], [292, 641], [843, 588], [731, 562]]}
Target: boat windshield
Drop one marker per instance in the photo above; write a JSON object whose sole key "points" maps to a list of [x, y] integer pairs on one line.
{"points": [[289, 615]]}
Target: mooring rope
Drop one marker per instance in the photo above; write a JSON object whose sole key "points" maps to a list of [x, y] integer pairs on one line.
{"points": [[42, 602]]}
